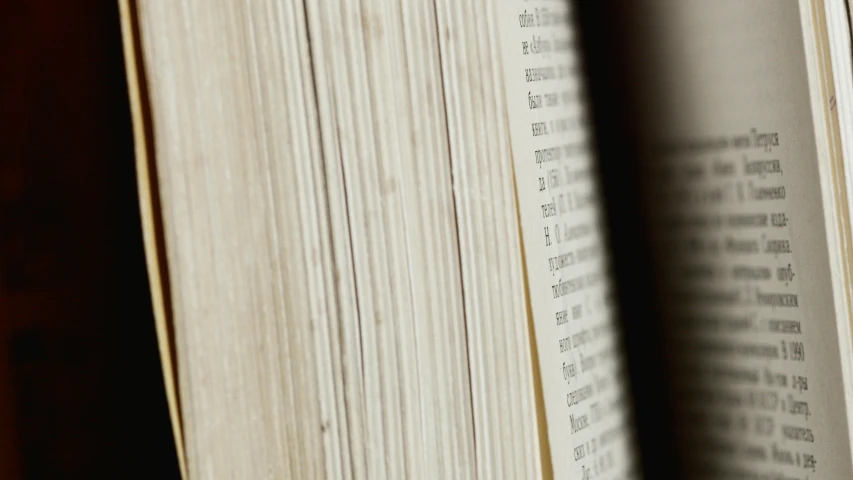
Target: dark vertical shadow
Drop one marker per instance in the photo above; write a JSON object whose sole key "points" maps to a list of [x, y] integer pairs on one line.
{"points": [[604, 31]]}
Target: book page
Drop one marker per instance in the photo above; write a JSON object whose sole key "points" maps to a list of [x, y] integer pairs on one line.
{"points": [[736, 217], [566, 265]]}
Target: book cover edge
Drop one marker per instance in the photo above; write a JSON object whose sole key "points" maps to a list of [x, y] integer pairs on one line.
{"points": [[153, 256]]}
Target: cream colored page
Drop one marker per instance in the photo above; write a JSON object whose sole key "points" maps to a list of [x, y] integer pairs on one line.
{"points": [[735, 206], [560, 212]]}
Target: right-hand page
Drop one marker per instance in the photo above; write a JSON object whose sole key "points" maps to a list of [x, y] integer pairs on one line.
{"points": [[733, 198]]}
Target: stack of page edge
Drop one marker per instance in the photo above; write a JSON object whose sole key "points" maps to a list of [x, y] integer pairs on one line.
{"points": [[343, 239]]}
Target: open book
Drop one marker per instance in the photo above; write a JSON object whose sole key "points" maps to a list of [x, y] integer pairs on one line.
{"points": [[499, 239]]}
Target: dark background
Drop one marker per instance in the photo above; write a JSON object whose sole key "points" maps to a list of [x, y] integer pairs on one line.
{"points": [[81, 391]]}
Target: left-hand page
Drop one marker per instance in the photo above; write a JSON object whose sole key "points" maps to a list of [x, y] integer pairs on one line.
{"points": [[570, 289]]}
